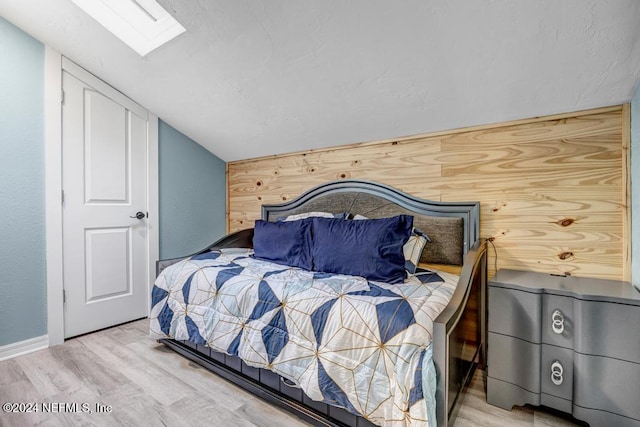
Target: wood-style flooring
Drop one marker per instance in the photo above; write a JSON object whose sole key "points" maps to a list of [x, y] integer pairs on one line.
{"points": [[119, 376]]}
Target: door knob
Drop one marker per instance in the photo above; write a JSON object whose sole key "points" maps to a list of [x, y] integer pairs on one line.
{"points": [[139, 215]]}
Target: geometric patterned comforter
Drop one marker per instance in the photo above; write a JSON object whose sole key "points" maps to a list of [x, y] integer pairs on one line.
{"points": [[364, 346]]}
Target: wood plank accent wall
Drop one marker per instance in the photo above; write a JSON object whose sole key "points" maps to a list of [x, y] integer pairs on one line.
{"points": [[553, 190]]}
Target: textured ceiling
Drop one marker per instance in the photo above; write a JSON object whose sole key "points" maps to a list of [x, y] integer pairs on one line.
{"points": [[251, 78]]}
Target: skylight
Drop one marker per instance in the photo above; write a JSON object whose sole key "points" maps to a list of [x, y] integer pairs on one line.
{"points": [[142, 24]]}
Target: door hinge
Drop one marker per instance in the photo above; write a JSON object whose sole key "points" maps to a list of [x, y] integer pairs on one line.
{"points": [[62, 97], [62, 196], [64, 296]]}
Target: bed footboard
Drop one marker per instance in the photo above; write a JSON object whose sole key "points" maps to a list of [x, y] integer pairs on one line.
{"points": [[459, 334]]}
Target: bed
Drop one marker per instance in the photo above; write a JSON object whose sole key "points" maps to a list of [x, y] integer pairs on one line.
{"points": [[288, 329]]}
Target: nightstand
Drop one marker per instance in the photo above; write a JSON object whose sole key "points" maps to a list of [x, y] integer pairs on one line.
{"points": [[568, 343]]}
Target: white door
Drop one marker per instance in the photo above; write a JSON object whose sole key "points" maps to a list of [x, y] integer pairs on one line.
{"points": [[104, 168]]}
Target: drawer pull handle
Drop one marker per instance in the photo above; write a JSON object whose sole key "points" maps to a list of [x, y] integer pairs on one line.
{"points": [[556, 373], [289, 383], [557, 322]]}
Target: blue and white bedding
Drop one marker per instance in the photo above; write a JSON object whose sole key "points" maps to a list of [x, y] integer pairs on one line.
{"points": [[361, 345]]}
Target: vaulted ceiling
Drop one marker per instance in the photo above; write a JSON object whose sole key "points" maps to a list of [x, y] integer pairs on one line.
{"points": [[256, 77]]}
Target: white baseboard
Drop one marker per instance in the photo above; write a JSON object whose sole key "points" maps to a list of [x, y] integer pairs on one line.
{"points": [[23, 347]]}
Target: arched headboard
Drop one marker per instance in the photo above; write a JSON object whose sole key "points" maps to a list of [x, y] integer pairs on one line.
{"points": [[453, 227]]}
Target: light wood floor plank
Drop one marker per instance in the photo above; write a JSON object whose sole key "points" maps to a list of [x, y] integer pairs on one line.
{"points": [[215, 414], [227, 394], [48, 373], [158, 383], [87, 367], [147, 384]]}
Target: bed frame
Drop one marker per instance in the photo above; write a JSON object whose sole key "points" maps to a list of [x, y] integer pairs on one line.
{"points": [[459, 340]]}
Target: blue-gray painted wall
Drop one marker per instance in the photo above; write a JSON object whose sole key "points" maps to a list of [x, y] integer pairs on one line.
{"points": [[192, 195], [23, 308], [635, 188]]}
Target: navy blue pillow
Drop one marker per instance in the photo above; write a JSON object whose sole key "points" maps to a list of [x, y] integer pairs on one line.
{"points": [[371, 248], [287, 243]]}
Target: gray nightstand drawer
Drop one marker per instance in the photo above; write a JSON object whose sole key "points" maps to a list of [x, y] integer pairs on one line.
{"points": [[608, 384], [608, 329], [557, 320], [514, 361], [556, 372], [518, 316]]}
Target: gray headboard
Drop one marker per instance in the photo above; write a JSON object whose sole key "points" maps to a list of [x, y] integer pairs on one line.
{"points": [[453, 227]]}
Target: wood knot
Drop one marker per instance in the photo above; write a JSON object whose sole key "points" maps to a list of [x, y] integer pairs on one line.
{"points": [[394, 143], [343, 175], [565, 255], [498, 207], [259, 197], [276, 172], [311, 169], [566, 222], [259, 183], [356, 163], [284, 197]]}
